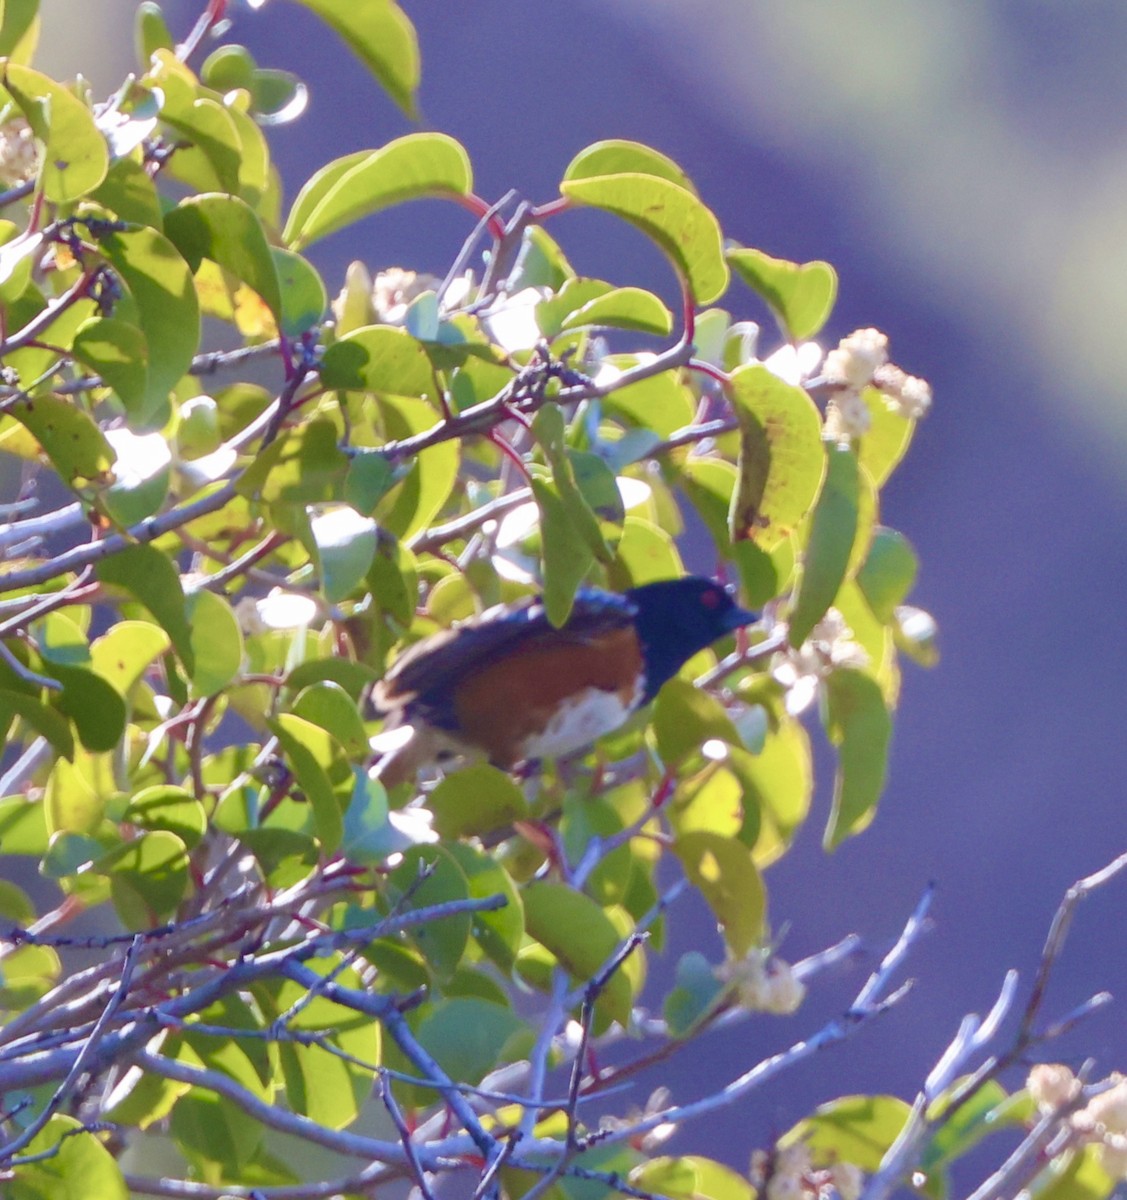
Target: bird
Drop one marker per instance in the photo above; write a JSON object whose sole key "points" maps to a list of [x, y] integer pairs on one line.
{"points": [[509, 687]]}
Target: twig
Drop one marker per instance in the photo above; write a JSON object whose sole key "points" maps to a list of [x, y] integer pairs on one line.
{"points": [[384, 1008], [463, 256], [270, 1115], [83, 1057], [973, 1036], [396, 1114], [26, 673], [870, 1002]]}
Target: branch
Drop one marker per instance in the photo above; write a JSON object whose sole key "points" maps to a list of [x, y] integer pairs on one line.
{"points": [[870, 1002], [972, 1037], [82, 1059]]}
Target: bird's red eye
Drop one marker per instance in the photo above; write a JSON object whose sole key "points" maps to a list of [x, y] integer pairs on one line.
{"points": [[710, 599]]}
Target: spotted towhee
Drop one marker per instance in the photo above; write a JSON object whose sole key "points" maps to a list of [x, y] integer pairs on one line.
{"points": [[510, 687]]}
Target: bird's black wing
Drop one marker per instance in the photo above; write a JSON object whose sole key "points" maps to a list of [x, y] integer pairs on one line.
{"points": [[428, 672]]}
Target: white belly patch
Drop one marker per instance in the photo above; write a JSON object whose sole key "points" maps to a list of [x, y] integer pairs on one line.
{"points": [[587, 716]]}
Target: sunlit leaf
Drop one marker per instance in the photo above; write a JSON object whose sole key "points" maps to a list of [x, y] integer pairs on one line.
{"points": [[801, 295], [381, 35], [723, 870], [859, 725], [419, 164], [75, 156], [833, 530], [780, 464], [674, 218], [617, 156]]}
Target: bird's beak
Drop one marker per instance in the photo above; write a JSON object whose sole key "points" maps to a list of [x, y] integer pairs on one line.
{"points": [[738, 618]]}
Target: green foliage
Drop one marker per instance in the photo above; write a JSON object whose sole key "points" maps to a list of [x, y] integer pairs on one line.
{"points": [[252, 533]]}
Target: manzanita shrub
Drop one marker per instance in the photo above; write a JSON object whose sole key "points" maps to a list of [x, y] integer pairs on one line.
{"points": [[285, 981]]}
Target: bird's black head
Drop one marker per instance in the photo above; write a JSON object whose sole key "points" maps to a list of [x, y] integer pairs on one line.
{"points": [[677, 618]]}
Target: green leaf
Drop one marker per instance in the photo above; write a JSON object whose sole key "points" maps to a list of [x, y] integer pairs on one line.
{"points": [[76, 447], [148, 877], [322, 1086], [710, 484], [685, 717], [44, 720], [118, 352], [170, 808], [328, 705], [369, 838], [309, 751], [499, 933], [853, 1129], [695, 996], [19, 27], [129, 193], [304, 465], [567, 556], [858, 723], [149, 576], [888, 572], [417, 165], [304, 299], [416, 500], [227, 68], [226, 230], [684, 229], [466, 1035], [151, 32], [778, 784], [23, 826], [346, 545], [217, 642], [661, 403], [623, 308], [644, 553], [164, 294], [723, 870], [369, 478], [580, 935], [69, 802], [476, 800], [887, 440], [442, 942], [833, 530], [781, 465], [690, 1177], [70, 1164], [990, 1110], [1080, 1177], [620, 157], [215, 158], [378, 358], [95, 706], [548, 430], [75, 156], [380, 34], [801, 295]]}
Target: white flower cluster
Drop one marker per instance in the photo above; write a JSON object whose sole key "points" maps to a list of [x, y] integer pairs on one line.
{"points": [[799, 670], [790, 1174], [1101, 1122], [386, 299], [762, 983], [860, 361], [19, 153]]}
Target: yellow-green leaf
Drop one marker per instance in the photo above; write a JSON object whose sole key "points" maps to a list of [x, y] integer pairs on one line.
{"points": [[685, 230], [419, 164], [781, 465], [801, 295]]}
